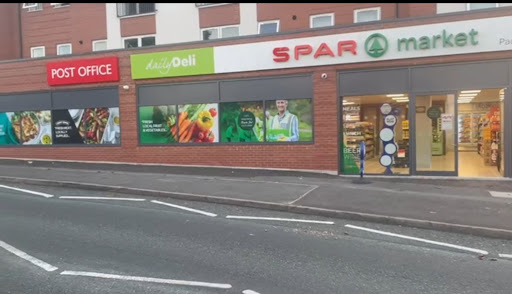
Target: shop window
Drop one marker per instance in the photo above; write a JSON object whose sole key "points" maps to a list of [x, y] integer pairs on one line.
{"points": [[289, 120], [64, 49], [365, 15], [99, 45], [382, 123], [480, 138], [220, 32], [36, 52], [476, 6], [324, 20], [134, 42], [269, 27], [129, 9]]}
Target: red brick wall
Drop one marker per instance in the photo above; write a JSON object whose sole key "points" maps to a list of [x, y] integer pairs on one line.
{"points": [[29, 75], [343, 13], [417, 9], [221, 15], [52, 26], [140, 25], [9, 30]]}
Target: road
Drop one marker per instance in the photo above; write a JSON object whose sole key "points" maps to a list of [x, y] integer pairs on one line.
{"points": [[123, 246]]}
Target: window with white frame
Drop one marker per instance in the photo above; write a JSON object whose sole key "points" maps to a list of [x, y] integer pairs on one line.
{"points": [[33, 6], [367, 14], [268, 27], [64, 49], [142, 41], [475, 6], [321, 20], [58, 5], [127, 9], [220, 32], [36, 52], [99, 45]]}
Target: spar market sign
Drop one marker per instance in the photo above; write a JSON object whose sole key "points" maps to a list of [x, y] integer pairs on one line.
{"points": [[173, 63], [82, 71], [441, 39]]}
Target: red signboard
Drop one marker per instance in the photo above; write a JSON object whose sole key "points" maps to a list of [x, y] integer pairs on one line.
{"points": [[82, 71]]}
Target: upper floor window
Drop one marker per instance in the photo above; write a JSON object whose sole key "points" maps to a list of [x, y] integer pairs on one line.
{"points": [[133, 42], [220, 32], [321, 20], [99, 45], [57, 5], [127, 9], [367, 14], [475, 6], [209, 4], [64, 49], [268, 27], [33, 6], [37, 52]]}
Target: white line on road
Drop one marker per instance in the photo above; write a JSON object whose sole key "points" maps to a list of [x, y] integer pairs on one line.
{"points": [[145, 279], [185, 208], [483, 252], [280, 219], [304, 195], [19, 253], [249, 292], [101, 198], [27, 191], [506, 255], [500, 194]]}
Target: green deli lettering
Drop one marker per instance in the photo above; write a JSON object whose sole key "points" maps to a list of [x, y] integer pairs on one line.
{"points": [[443, 40], [173, 63]]}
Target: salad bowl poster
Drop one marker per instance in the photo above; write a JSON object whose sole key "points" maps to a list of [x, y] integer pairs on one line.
{"points": [[198, 123], [25, 128], [91, 126]]}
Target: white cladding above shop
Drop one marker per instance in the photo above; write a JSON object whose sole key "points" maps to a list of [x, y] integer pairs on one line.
{"points": [[440, 39]]}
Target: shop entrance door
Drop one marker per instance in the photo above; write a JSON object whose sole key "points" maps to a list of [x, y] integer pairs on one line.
{"points": [[434, 136]]}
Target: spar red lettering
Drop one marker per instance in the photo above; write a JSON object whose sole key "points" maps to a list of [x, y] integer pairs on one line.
{"points": [[281, 53]]}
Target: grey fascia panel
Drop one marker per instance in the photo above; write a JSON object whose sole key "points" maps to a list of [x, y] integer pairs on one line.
{"points": [[291, 87], [28, 101], [374, 82], [172, 94], [491, 74], [86, 98]]}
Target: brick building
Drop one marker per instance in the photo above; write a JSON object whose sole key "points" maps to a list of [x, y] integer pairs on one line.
{"points": [[426, 87]]}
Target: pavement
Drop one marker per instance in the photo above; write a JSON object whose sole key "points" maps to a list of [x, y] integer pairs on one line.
{"points": [[456, 205]]}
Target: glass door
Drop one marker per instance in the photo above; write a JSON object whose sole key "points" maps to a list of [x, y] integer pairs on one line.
{"points": [[435, 134]]}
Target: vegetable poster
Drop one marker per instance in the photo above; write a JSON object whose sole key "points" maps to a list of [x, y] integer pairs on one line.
{"points": [[198, 123], [241, 121], [158, 124]]}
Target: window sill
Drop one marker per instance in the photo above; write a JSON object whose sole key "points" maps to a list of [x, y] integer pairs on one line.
{"points": [[137, 15]]}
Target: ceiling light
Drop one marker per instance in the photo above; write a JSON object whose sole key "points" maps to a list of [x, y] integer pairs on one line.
{"points": [[394, 95], [470, 91]]}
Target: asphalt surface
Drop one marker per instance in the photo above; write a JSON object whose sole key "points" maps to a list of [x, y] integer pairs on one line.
{"points": [[146, 239], [467, 203]]}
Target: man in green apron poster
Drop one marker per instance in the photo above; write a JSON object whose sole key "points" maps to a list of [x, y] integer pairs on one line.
{"points": [[284, 126]]}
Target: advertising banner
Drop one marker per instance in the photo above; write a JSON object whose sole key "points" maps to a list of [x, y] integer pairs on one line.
{"points": [[172, 63], [10, 128], [158, 124], [82, 71], [241, 121], [25, 128], [100, 125], [198, 123], [289, 120]]}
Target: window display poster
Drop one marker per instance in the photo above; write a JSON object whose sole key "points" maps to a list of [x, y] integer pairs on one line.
{"points": [[10, 128], [32, 127], [289, 120], [241, 121], [158, 124], [99, 125], [198, 123], [350, 160]]}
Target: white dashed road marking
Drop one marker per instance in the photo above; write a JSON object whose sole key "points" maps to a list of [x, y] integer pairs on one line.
{"points": [[101, 198], [500, 194], [21, 254], [27, 191], [185, 208], [279, 219]]}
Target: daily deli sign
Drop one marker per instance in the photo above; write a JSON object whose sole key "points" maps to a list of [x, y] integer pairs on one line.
{"points": [[462, 37], [82, 71], [173, 63]]}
